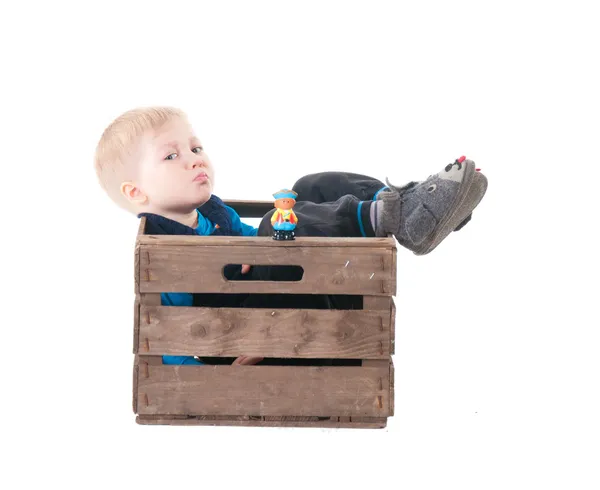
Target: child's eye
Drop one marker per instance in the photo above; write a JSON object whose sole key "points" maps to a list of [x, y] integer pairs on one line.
{"points": [[199, 148], [168, 157]]}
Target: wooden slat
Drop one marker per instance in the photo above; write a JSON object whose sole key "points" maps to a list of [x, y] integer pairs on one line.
{"points": [[393, 327], [352, 270], [250, 209], [149, 360], [377, 302], [142, 226], [136, 268], [264, 390], [230, 332], [136, 326], [392, 393], [381, 303], [378, 363], [150, 299], [394, 267], [247, 421], [384, 385], [136, 257], [262, 241], [135, 385]]}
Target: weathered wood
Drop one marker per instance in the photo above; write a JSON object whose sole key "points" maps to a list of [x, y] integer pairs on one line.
{"points": [[392, 393], [393, 327], [136, 268], [376, 302], [136, 326], [284, 418], [149, 360], [327, 270], [142, 300], [377, 363], [250, 209], [229, 332], [263, 241], [384, 303], [150, 299], [290, 418], [247, 421], [264, 390], [142, 226], [276, 396], [382, 364], [135, 385], [393, 270], [136, 257]]}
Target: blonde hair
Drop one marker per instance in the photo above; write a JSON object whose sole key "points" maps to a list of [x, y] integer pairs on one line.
{"points": [[114, 159]]}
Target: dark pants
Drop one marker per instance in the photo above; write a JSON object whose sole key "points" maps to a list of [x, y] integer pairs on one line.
{"points": [[329, 204]]}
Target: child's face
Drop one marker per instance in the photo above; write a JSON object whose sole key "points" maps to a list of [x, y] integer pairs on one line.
{"points": [[174, 173]]}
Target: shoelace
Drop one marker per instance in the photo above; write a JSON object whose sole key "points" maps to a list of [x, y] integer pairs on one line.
{"points": [[404, 188]]}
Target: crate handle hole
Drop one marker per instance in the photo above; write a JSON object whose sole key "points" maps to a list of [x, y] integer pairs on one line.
{"points": [[232, 272]]}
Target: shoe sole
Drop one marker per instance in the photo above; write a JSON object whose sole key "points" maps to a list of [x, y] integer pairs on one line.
{"points": [[473, 188]]}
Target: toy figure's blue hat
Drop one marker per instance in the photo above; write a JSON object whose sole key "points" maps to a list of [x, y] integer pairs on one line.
{"points": [[285, 194]]}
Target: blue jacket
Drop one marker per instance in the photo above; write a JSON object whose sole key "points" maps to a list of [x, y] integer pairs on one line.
{"points": [[213, 212]]}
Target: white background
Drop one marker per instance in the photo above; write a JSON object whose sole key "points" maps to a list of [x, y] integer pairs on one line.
{"points": [[497, 371]]}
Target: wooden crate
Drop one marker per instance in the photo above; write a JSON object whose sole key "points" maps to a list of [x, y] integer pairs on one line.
{"points": [[360, 395]]}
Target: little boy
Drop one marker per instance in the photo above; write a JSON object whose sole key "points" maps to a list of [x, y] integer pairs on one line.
{"points": [[150, 162]]}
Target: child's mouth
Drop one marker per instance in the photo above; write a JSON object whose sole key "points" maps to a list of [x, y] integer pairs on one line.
{"points": [[201, 177]]}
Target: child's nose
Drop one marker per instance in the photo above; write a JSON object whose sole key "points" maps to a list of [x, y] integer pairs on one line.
{"points": [[197, 162]]}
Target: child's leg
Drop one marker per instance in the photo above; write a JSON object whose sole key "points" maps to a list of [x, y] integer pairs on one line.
{"points": [[330, 186], [420, 214], [348, 216]]}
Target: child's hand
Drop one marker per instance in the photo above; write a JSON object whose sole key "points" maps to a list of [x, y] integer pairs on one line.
{"points": [[245, 268], [246, 360]]}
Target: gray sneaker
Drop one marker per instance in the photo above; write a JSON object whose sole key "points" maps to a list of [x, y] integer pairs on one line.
{"points": [[421, 214]]}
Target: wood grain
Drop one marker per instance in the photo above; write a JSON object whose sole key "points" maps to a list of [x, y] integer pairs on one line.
{"points": [[149, 360], [264, 390], [142, 226], [150, 299], [135, 384], [276, 396], [392, 392], [377, 302], [327, 270], [136, 269], [263, 241], [248, 421], [136, 256], [384, 303], [136, 325], [229, 332], [393, 327]]}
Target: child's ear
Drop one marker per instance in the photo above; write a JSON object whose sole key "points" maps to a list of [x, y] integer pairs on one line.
{"points": [[133, 193]]}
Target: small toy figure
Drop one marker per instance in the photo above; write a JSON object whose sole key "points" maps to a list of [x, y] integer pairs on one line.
{"points": [[284, 220]]}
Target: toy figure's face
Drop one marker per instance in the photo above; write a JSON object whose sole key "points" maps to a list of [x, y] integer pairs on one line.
{"points": [[285, 203], [174, 172]]}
